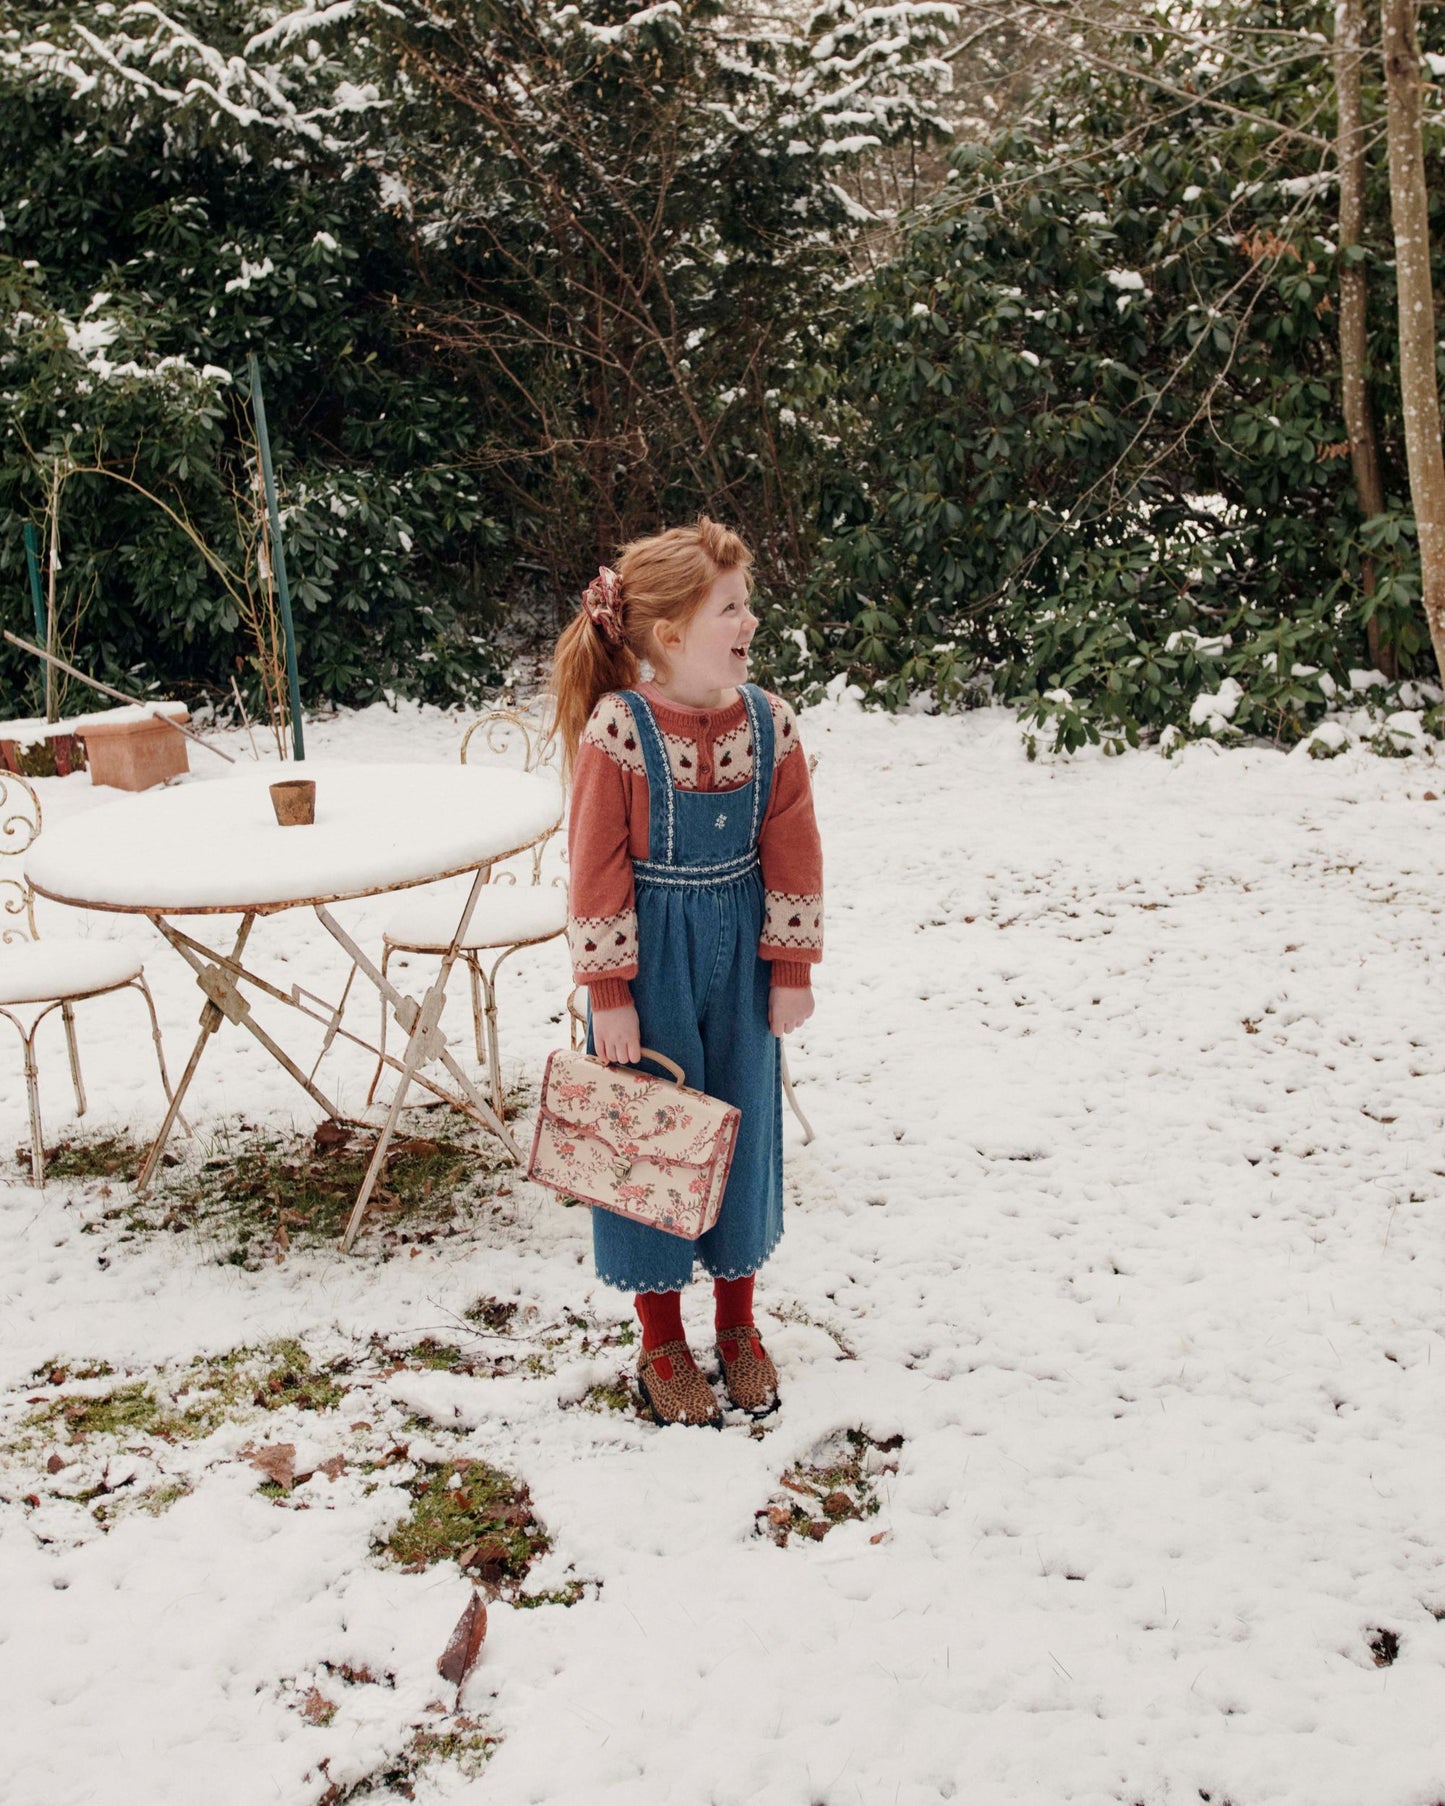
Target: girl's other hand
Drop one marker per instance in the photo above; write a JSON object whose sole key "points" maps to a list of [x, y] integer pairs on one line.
{"points": [[789, 1007], [617, 1035]]}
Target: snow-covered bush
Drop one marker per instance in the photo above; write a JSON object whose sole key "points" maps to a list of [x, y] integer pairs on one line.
{"points": [[179, 187], [1092, 441]]}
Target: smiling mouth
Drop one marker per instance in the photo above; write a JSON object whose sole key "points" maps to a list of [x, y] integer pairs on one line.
{"points": [[740, 652]]}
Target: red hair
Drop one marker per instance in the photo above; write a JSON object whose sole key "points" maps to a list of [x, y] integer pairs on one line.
{"points": [[664, 577]]}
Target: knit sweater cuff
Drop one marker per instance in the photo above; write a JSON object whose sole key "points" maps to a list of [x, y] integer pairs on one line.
{"points": [[795, 974], [609, 993]]}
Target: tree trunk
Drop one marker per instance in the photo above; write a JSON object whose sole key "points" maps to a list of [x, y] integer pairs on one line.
{"points": [[1419, 393], [1359, 421]]}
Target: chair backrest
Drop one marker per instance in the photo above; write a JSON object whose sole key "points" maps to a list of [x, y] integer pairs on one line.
{"points": [[19, 830], [512, 735], [516, 737]]}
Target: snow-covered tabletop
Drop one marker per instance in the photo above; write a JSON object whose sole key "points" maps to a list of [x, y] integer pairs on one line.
{"points": [[215, 847]]}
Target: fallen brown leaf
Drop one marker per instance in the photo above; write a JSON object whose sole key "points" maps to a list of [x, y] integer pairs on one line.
{"points": [[55, 1463], [415, 1144], [330, 1136], [277, 1461], [317, 1707], [465, 1646]]}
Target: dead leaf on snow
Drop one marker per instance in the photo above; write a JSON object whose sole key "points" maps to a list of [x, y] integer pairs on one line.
{"points": [[466, 1642], [317, 1707], [277, 1461]]}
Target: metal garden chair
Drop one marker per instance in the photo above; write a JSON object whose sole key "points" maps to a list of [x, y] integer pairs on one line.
{"points": [[53, 974], [509, 915]]}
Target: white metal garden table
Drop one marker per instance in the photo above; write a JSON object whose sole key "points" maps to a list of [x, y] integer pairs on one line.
{"points": [[213, 848]]}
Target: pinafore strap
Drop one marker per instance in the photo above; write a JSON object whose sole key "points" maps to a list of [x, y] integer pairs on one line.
{"points": [[662, 844]]}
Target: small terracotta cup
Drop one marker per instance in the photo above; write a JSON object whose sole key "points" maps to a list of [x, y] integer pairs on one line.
{"points": [[294, 801]]}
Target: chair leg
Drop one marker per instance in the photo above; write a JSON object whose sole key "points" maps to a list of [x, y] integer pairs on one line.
{"points": [[67, 1016], [139, 983], [474, 973], [576, 1020], [494, 1052], [793, 1104], [32, 1092], [37, 1132]]}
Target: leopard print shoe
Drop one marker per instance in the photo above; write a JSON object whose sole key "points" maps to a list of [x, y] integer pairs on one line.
{"points": [[749, 1375], [673, 1389]]}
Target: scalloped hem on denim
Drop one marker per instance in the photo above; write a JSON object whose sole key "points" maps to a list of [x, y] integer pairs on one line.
{"points": [[624, 1285]]}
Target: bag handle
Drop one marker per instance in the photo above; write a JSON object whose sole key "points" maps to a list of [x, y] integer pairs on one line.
{"points": [[651, 1053]]}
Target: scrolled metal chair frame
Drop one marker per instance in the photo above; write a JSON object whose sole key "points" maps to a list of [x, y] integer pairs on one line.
{"points": [[499, 731], [20, 825]]}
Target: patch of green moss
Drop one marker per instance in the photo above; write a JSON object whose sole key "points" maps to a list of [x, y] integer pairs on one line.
{"points": [[160, 1498], [460, 1742], [611, 1395], [206, 1393], [256, 1195], [470, 1513], [94, 1157], [466, 1750], [57, 1372], [441, 1356], [837, 1487], [125, 1411], [493, 1314], [570, 1594], [291, 1379]]}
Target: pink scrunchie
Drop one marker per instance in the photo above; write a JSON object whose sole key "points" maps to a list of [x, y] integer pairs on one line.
{"points": [[603, 601]]}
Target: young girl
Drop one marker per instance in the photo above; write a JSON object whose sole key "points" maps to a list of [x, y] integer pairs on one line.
{"points": [[696, 912]]}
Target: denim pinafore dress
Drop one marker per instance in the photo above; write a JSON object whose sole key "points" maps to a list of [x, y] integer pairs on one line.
{"points": [[701, 993]]}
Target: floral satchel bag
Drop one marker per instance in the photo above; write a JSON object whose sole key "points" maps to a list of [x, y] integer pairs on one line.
{"points": [[647, 1148]]}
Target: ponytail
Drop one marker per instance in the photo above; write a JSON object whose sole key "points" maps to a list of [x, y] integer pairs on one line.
{"points": [[585, 666]]}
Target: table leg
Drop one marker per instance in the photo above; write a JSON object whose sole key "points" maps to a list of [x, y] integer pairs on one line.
{"points": [[424, 1044], [211, 1020], [222, 988], [410, 1014]]}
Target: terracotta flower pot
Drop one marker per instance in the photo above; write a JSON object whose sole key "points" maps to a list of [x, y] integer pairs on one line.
{"points": [[294, 800], [134, 754]]}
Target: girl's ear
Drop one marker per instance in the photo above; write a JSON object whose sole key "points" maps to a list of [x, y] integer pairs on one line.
{"points": [[667, 636]]}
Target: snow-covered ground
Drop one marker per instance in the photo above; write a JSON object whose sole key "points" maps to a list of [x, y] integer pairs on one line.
{"points": [[1124, 1211]]}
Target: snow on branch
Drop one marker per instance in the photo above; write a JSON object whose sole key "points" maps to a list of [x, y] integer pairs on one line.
{"points": [[153, 54]]}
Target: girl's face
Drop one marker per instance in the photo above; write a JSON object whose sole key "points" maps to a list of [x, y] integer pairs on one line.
{"points": [[710, 654]]}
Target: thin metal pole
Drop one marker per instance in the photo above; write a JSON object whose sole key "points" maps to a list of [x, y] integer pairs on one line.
{"points": [[119, 695], [37, 599], [278, 555], [32, 561]]}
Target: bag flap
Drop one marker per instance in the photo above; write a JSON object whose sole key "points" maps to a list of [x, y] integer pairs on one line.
{"points": [[634, 1116]]}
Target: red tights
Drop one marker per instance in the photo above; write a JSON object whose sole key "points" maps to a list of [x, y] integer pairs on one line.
{"points": [[661, 1312]]}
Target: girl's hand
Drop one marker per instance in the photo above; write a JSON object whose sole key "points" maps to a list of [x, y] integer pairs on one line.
{"points": [[789, 1007], [617, 1035]]}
